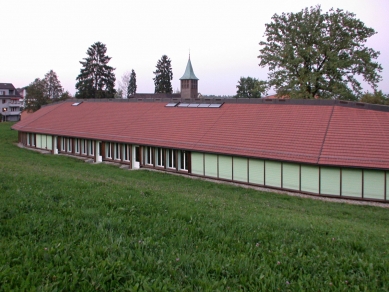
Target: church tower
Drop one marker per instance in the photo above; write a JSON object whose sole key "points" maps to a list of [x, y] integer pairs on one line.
{"points": [[189, 82]]}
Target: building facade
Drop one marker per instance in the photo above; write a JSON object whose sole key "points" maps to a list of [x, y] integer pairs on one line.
{"points": [[321, 147], [10, 101]]}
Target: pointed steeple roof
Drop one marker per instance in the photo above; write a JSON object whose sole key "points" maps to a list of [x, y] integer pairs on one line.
{"points": [[189, 74]]}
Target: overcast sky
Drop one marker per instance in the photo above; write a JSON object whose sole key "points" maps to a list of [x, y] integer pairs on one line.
{"points": [[222, 37]]}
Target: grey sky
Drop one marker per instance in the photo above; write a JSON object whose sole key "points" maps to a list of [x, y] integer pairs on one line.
{"points": [[222, 36]]}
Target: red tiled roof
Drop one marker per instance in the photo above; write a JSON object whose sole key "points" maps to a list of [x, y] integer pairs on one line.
{"points": [[317, 134]]}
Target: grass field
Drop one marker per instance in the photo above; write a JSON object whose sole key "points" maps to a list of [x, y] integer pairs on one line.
{"points": [[66, 225]]}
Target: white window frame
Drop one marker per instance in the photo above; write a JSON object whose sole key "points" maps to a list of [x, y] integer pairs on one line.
{"points": [[170, 158], [77, 145], [91, 147], [70, 146], [183, 163], [28, 139], [116, 150], [108, 153], [63, 144], [148, 157], [84, 146], [126, 152], [159, 157]]}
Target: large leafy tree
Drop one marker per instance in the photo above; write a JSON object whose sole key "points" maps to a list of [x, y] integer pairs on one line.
{"points": [[377, 97], [163, 76], [311, 54], [131, 90], [44, 91], [249, 87], [96, 78], [36, 95]]}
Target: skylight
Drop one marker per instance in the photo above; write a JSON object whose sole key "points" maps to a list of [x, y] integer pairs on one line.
{"points": [[172, 104]]}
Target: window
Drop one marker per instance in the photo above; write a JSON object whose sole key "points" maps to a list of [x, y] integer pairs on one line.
{"points": [[116, 147], [183, 160], [194, 84], [91, 148], [14, 109], [171, 158], [160, 161], [84, 146], [4, 109], [77, 145], [69, 142], [126, 152], [108, 153], [148, 159], [63, 143], [28, 139], [32, 140]]}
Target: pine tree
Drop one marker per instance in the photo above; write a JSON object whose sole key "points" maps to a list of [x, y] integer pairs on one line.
{"points": [[132, 84], [96, 78], [163, 76]]}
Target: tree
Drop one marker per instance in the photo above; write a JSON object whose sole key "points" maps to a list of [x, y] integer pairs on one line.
{"points": [[123, 83], [163, 76], [53, 88], [313, 54], [96, 78], [36, 95], [44, 91], [131, 90], [376, 98], [250, 88]]}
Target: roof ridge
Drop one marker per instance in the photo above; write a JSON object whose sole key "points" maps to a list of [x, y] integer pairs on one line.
{"points": [[325, 135]]}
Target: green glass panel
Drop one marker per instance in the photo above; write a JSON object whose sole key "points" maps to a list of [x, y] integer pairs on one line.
{"points": [[44, 141], [256, 171], [273, 173], [291, 176], [374, 184], [310, 179], [211, 165], [49, 140], [330, 181], [240, 169], [225, 167], [352, 182], [38, 141], [197, 163]]}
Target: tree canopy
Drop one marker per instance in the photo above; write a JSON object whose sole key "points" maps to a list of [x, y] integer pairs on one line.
{"points": [[249, 87], [44, 91], [96, 78], [131, 90], [163, 76], [311, 53], [376, 98]]}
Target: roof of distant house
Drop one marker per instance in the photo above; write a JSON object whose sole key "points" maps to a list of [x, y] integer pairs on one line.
{"points": [[319, 132]]}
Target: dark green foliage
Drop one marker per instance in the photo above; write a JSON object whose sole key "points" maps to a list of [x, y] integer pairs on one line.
{"points": [[66, 225], [163, 76], [131, 90], [44, 91], [249, 87], [312, 54], [96, 78], [377, 97], [36, 96]]}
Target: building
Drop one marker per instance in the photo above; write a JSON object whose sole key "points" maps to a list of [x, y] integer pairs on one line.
{"points": [[10, 103], [320, 147]]}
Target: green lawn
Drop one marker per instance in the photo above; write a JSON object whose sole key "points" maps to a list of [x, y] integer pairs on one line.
{"points": [[66, 225]]}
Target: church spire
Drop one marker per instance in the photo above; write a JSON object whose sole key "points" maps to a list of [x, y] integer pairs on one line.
{"points": [[189, 74]]}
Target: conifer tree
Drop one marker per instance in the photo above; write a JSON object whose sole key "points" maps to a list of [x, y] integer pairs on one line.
{"points": [[163, 76], [96, 78], [132, 84]]}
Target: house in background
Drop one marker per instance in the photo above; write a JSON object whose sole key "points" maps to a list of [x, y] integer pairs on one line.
{"points": [[10, 102]]}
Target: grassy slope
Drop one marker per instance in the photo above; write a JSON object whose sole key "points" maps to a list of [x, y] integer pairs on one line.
{"points": [[69, 225]]}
